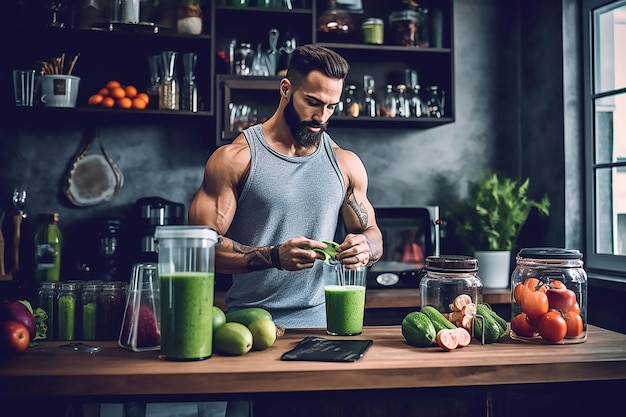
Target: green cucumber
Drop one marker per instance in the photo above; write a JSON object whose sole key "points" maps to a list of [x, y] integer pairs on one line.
{"points": [[439, 320], [418, 330], [485, 309], [330, 252], [246, 316], [492, 329]]}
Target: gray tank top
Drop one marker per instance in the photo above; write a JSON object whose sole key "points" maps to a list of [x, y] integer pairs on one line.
{"points": [[286, 197]]}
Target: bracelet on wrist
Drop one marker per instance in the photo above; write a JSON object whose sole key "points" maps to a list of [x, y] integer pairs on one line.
{"points": [[275, 257]]}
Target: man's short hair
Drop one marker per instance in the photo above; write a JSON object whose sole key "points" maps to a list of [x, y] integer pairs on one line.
{"points": [[307, 58]]}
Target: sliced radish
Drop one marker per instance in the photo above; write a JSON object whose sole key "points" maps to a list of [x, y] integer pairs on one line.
{"points": [[447, 339], [463, 337]]}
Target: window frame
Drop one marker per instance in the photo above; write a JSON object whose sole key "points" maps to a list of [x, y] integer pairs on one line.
{"points": [[609, 265]]}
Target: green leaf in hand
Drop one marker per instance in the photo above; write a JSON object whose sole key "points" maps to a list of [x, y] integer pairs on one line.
{"points": [[330, 252]]}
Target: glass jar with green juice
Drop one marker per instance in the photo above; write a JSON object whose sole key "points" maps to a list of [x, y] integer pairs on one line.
{"points": [[66, 311], [186, 265]]}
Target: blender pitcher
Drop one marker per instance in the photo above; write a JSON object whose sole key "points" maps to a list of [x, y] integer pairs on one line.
{"points": [[186, 262]]}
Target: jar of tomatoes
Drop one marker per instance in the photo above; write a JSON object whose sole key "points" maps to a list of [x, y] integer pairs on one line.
{"points": [[549, 296]]}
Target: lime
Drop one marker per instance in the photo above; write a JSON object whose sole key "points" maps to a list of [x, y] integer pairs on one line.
{"points": [[232, 339], [219, 318], [263, 333]]}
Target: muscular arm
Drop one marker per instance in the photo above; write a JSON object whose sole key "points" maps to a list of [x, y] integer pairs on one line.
{"points": [[215, 204], [364, 243]]}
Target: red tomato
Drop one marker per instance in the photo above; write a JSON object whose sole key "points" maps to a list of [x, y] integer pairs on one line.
{"points": [[534, 304], [15, 336], [561, 299], [575, 308], [522, 327], [518, 292], [552, 326], [574, 324]]}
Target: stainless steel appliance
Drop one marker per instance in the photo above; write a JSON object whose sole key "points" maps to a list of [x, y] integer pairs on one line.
{"points": [[148, 213], [410, 234]]}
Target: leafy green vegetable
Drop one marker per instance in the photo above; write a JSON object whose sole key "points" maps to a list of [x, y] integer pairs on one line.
{"points": [[40, 316], [330, 252]]}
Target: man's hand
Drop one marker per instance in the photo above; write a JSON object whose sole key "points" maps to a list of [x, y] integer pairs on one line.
{"points": [[354, 251], [297, 253]]}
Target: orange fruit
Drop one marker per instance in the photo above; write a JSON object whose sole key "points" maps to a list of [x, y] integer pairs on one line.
{"points": [[131, 91], [139, 103], [112, 84], [104, 92], [108, 102], [118, 92], [124, 102], [95, 99], [145, 97]]}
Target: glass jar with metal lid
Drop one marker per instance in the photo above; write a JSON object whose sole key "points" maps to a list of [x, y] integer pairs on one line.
{"points": [[549, 296], [447, 277]]}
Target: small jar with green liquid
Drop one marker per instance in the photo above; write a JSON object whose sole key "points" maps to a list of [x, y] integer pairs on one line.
{"points": [[48, 242], [47, 297], [90, 310], [66, 311]]}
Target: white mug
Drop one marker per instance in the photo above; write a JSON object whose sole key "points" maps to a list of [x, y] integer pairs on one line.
{"points": [[59, 90]]}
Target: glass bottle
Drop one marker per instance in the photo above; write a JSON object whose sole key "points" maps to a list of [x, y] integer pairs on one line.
{"points": [[168, 89], [155, 66], [90, 310], [390, 104], [189, 90], [403, 109], [351, 102], [369, 99], [415, 102], [48, 244], [66, 307], [47, 301]]}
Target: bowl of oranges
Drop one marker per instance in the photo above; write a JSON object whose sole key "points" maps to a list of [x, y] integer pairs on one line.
{"points": [[118, 96]]}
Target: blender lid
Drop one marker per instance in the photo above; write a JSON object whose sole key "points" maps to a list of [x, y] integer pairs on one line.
{"points": [[186, 232]]}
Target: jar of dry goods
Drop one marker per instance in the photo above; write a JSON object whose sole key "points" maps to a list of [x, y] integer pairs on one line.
{"points": [[549, 296]]}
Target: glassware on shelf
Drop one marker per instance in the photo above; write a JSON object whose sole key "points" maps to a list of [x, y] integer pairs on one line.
{"points": [[403, 108], [155, 65], [334, 22], [389, 107], [351, 103], [168, 89], [369, 99], [189, 91], [435, 99]]}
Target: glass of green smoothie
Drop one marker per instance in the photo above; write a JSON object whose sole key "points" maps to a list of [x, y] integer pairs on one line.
{"points": [[345, 301], [186, 263]]}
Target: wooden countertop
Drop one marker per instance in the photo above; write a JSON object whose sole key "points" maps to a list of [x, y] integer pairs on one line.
{"points": [[46, 371], [402, 297]]}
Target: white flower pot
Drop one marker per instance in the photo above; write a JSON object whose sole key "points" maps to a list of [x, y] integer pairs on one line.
{"points": [[494, 268]]}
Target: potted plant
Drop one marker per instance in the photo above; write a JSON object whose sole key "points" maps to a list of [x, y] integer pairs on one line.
{"points": [[189, 17], [490, 219]]}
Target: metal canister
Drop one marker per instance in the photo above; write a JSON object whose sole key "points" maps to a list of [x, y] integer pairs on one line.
{"points": [[549, 296]]}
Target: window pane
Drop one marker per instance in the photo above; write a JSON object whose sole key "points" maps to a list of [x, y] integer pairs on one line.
{"points": [[610, 197], [609, 47], [610, 129]]}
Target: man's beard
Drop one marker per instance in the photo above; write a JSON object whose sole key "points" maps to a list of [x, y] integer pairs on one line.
{"points": [[302, 135]]}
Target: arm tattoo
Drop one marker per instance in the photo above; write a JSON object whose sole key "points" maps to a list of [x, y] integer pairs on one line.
{"points": [[358, 208], [258, 258]]}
